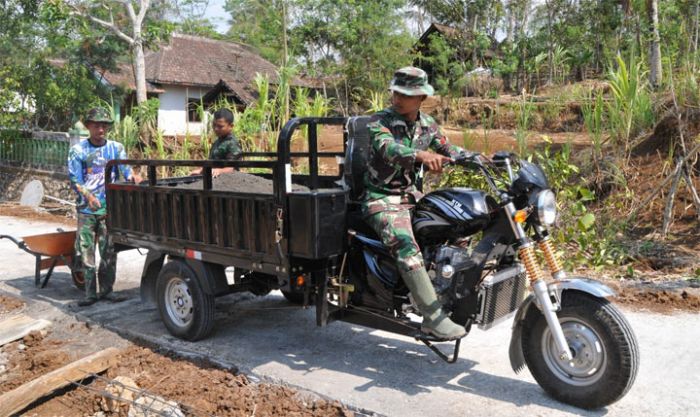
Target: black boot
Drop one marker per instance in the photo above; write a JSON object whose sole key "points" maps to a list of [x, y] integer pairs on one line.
{"points": [[87, 302]]}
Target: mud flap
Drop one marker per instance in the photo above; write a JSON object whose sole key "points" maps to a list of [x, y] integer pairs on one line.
{"points": [[587, 285], [149, 275]]}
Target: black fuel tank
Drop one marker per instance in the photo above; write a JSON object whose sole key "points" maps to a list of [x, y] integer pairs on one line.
{"points": [[452, 212]]}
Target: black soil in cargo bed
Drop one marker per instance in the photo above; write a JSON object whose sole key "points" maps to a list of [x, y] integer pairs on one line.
{"points": [[241, 182]]}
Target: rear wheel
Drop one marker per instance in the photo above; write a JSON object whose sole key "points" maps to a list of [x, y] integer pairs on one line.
{"points": [[186, 310], [603, 346]]}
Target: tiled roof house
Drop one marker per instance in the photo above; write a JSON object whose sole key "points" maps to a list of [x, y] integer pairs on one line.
{"points": [[190, 69]]}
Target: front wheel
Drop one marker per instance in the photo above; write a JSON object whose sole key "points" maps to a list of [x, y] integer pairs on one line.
{"points": [[186, 310], [603, 346]]}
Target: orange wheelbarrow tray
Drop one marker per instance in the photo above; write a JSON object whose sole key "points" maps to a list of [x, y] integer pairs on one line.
{"points": [[51, 250]]}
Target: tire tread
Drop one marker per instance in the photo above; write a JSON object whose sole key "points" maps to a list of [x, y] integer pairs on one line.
{"points": [[620, 333]]}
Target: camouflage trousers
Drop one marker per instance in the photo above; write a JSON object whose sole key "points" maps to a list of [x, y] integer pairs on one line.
{"points": [[92, 229], [395, 230]]}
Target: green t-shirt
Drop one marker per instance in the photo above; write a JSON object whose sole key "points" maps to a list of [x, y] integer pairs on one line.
{"points": [[226, 148]]}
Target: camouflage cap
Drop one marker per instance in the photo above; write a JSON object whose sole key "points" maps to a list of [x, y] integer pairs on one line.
{"points": [[411, 81], [98, 114]]}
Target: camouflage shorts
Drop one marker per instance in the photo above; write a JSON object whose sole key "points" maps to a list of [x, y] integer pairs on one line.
{"points": [[395, 230]]}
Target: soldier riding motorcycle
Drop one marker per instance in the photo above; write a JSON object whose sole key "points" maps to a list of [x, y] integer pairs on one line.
{"points": [[480, 252]]}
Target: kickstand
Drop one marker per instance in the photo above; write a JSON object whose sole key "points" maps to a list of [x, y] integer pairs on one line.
{"points": [[442, 356]]}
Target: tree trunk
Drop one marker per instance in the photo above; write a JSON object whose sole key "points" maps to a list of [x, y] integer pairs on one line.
{"points": [[139, 71], [697, 34], [550, 43], [655, 44], [511, 25]]}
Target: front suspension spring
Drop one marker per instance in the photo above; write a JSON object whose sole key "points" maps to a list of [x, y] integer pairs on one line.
{"points": [[527, 256], [550, 256]]}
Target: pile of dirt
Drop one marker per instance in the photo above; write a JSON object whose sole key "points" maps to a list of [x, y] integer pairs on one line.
{"points": [[15, 210], [29, 358], [198, 388], [656, 298], [9, 304], [666, 134], [241, 182], [644, 176]]}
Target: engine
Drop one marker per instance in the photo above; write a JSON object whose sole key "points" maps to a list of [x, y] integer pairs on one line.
{"points": [[448, 264]]}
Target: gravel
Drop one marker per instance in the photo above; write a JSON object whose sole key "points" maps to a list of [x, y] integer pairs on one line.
{"points": [[240, 181]]}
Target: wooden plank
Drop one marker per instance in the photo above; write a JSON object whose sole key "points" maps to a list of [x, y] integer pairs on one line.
{"points": [[18, 326], [19, 398]]}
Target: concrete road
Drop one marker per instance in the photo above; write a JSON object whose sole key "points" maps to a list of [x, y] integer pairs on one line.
{"points": [[372, 370]]}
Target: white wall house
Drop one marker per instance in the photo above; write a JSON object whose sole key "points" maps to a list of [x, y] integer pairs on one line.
{"points": [[177, 114], [191, 70]]}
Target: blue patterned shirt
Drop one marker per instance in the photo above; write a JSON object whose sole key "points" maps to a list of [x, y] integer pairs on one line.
{"points": [[86, 170]]}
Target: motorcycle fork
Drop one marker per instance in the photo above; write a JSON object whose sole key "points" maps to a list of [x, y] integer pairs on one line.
{"points": [[527, 256]]}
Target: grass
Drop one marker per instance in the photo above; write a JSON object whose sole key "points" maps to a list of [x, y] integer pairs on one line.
{"points": [[630, 111]]}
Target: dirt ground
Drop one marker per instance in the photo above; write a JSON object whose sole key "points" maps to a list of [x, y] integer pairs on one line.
{"points": [[14, 209], [208, 390], [9, 305]]}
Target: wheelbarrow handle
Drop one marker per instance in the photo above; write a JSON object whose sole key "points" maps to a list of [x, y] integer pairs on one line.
{"points": [[20, 243]]}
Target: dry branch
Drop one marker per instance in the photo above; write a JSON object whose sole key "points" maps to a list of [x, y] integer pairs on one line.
{"points": [[683, 161]]}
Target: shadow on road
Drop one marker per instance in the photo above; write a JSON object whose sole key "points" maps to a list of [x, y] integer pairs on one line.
{"points": [[256, 333]]}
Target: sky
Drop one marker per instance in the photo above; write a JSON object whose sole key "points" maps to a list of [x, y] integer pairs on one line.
{"points": [[217, 15]]}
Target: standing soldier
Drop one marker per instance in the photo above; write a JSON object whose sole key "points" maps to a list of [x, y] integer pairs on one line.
{"points": [[226, 147], [87, 162], [400, 137]]}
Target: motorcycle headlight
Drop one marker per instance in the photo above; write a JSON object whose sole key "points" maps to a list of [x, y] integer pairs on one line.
{"points": [[546, 207]]}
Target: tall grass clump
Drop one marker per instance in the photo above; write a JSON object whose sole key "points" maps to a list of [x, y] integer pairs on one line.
{"points": [[136, 127], [127, 132], [631, 109], [524, 113], [592, 109], [303, 106], [377, 101]]}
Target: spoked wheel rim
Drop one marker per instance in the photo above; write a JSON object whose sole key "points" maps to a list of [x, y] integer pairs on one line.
{"points": [[588, 351], [178, 302]]}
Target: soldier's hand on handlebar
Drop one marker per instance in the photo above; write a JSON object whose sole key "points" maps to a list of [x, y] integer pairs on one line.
{"points": [[432, 161]]}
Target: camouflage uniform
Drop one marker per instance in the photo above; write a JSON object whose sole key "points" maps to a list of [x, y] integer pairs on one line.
{"points": [[226, 148], [391, 173], [86, 167]]}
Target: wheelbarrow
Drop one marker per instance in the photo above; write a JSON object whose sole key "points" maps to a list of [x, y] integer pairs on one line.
{"points": [[51, 250]]}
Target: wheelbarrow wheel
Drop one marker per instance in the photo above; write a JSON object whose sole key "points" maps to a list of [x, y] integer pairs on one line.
{"points": [[77, 273], [78, 279]]}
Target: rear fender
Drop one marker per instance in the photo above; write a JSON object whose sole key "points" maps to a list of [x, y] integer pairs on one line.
{"points": [[149, 276], [212, 277], [587, 285]]}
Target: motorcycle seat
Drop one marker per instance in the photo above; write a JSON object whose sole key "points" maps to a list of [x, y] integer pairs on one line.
{"points": [[357, 223]]}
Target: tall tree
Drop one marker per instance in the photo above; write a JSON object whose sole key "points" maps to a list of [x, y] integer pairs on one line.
{"points": [[133, 25], [654, 44], [260, 23]]}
